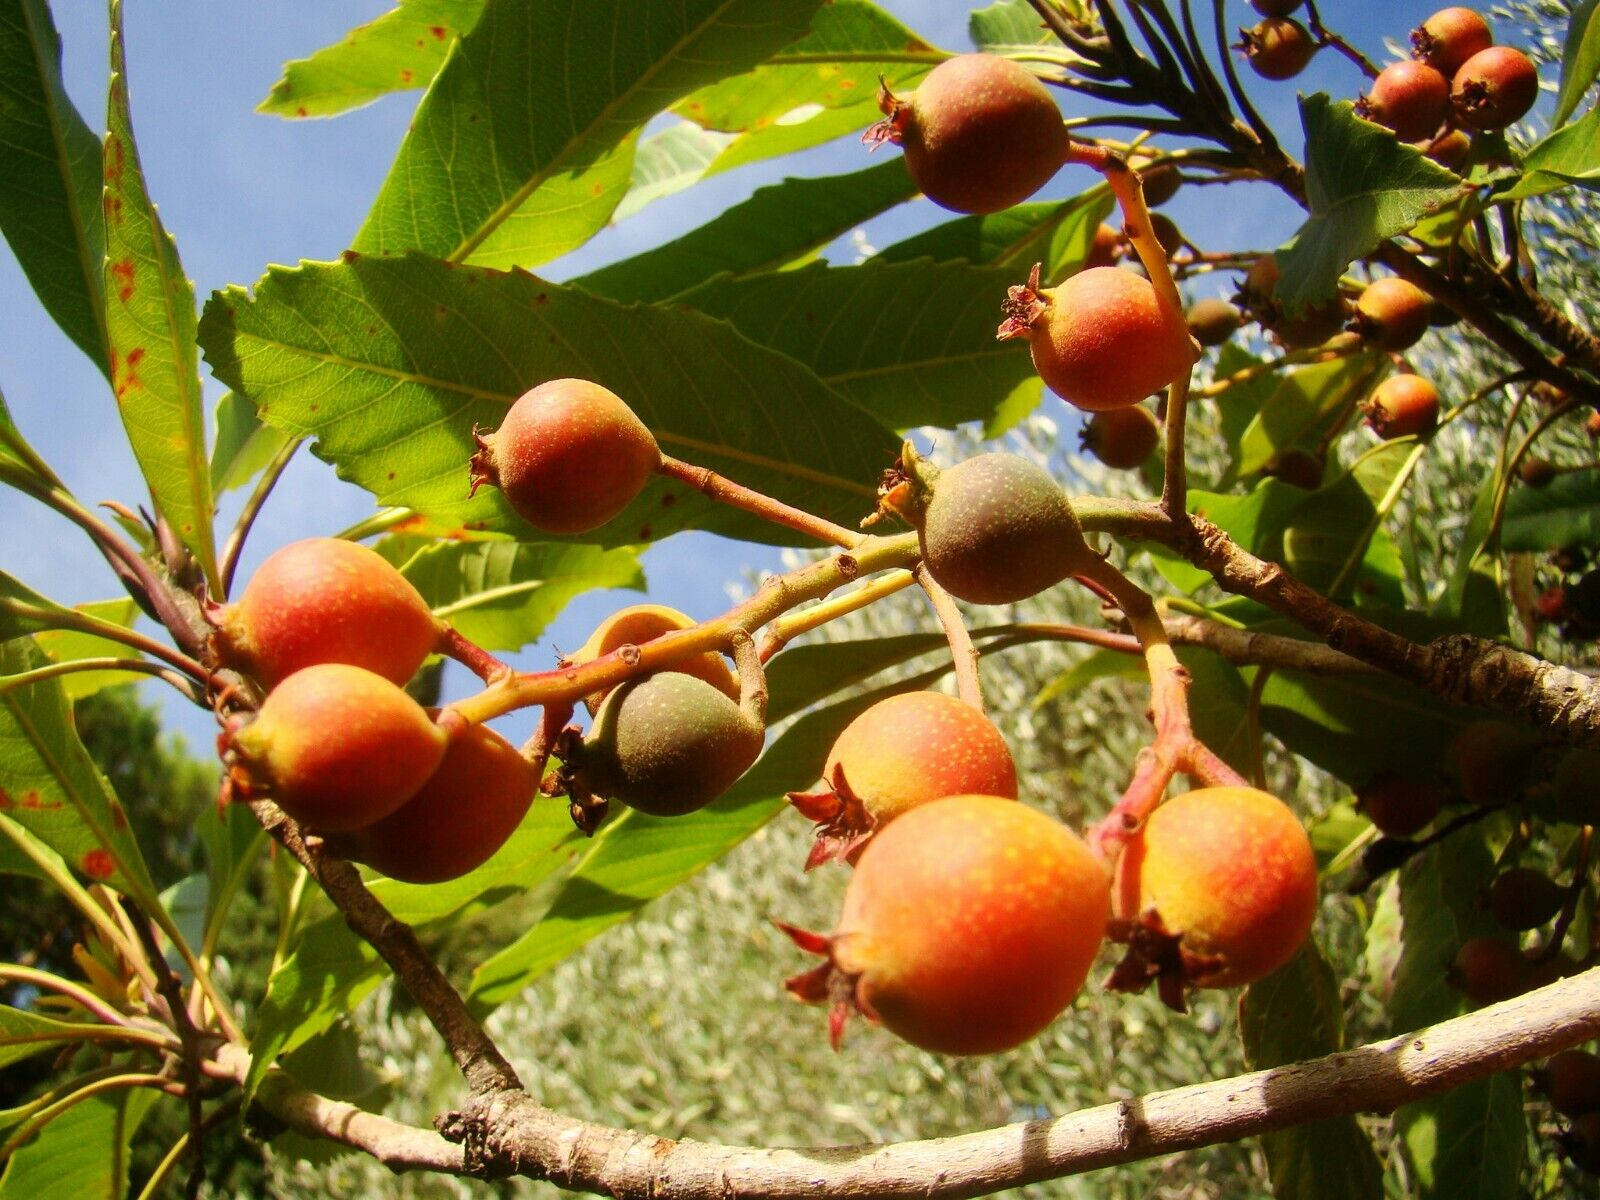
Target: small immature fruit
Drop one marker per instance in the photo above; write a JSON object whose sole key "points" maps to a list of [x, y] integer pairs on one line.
{"points": [[1212, 321], [666, 744], [1451, 36], [1159, 183], [325, 600], [1450, 150], [1537, 472], [1218, 890], [1101, 339], [1105, 247], [1490, 761], [1408, 97], [336, 747], [1392, 314], [969, 924], [639, 623], [1581, 1143], [1572, 1082], [463, 814], [1122, 438], [995, 529], [903, 751], [1494, 87], [1523, 898], [1277, 48], [1399, 805], [1310, 326], [1296, 467], [980, 133], [1275, 8], [1402, 405], [1167, 233], [569, 456], [1489, 969]]}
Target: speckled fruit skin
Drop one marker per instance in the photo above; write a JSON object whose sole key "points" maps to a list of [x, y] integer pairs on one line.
{"points": [[667, 744], [1102, 341], [325, 600], [569, 456], [1230, 871], [1277, 48], [1401, 406], [1449, 37], [971, 923], [337, 747], [981, 133], [1393, 314], [998, 529], [1409, 97], [639, 623], [1122, 438], [917, 747], [466, 810], [1494, 87]]}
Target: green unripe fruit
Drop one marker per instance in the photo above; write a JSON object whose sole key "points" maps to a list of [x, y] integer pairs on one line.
{"points": [[336, 747], [325, 600], [1212, 321], [995, 529], [1122, 438], [569, 456], [1160, 183], [461, 816], [667, 744]]}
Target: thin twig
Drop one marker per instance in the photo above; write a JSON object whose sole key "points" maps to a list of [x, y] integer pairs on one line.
{"points": [[964, 657], [234, 546]]}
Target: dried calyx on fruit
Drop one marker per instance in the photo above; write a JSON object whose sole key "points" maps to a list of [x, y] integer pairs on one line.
{"points": [[1403, 405], [1277, 47], [1217, 890], [335, 746], [1102, 339], [1494, 87], [666, 743], [1449, 37], [640, 623], [466, 810], [569, 456], [1409, 97], [903, 751], [324, 600], [969, 924], [994, 528], [980, 133]]}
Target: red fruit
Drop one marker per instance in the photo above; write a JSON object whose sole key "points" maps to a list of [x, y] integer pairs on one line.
{"points": [[1277, 48], [336, 747], [1392, 314], [980, 133], [325, 600], [1408, 97], [995, 528], [1489, 969], [1551, 604], [1537, 472], [639, 623], [1105, 248], [969, 924], [1101, 339], [466, 810], [1401, 406], [1218, 890], [902, 752], [1572, 1081], [1451, 36], [1212, 321], [569, 456], [1591, 425], [1494, 88], [1399, 805], [1122, 438], [1523, 898]]}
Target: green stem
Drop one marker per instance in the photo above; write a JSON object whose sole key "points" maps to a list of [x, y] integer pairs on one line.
{"points": [[134, 665], [66, 618], [234, 546], [100, 1086]]}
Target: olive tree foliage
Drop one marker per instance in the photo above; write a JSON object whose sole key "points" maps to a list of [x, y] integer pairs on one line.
{"points": [[485, 1027]]}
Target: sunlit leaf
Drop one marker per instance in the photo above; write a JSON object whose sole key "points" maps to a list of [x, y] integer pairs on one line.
{"points": [[1056, 234], [667, 162], [1566, 512], [1580, 59], [1570, 155], [81, 1155], [71, 645], [244, 444]]}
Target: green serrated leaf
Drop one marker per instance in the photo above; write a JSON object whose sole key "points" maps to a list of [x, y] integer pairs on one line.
{"points": [[82, 1154], [402, 49], [1302, 405], [244, 444], [776, 226], [911, 343], [50, 189], [1291, 1015], [1056, 234], [502, 595], [1363, 187], [1580, 60], [150, 322], [1570, 155], [50, 786], [1564, 513], [523, 146], [669, 161], [391, 362]]}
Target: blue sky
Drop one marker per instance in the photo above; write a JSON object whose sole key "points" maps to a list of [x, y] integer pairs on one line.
{"points": [[240, 190]]}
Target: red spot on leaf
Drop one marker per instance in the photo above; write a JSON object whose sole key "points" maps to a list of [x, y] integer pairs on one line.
{"points": [[846, 84], [5, 800], [439, 31], [122, 272], [421, 43], [113, 207], [36, 803], [406, 75], [371, 329], [98, 864], [391, 476], [348, 256], [668, 500], [119, 818], [644, 533], [541, 298], [115, 159], [134, 356], [598, 189], [302, 111]]}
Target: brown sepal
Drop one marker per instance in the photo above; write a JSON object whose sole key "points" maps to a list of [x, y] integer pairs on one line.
{"points": [[1024, 304], [1155, 953], [480, 467], [824, 983], [896, 113], [844, 826]]}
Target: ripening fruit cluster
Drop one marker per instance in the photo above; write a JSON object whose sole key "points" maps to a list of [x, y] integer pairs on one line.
{"points": [[971, 920], [332, 631]]}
